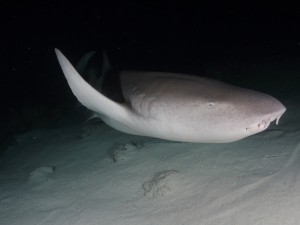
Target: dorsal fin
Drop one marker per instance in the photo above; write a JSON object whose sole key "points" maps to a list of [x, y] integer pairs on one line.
{"points": [[81, 66], [106, 66], [105, 71]]}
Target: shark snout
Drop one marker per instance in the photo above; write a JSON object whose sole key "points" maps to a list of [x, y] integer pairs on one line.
{"points": [[265, 121]]}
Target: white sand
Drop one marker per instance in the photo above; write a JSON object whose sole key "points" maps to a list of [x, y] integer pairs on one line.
{"points": [[96, 175]]}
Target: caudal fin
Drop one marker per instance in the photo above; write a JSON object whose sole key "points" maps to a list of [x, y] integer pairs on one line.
{"points": [[89, 96]]}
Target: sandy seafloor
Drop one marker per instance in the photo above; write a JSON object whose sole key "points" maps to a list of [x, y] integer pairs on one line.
{"points": [[91, 174]]}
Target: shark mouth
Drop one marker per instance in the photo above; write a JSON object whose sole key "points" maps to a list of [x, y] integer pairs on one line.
{"points": [[264, 124]]}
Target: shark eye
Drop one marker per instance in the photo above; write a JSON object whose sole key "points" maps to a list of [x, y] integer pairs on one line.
{"points": [[211, 104]]}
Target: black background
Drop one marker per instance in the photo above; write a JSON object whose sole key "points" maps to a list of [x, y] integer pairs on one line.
{"points": [[176, 36]]}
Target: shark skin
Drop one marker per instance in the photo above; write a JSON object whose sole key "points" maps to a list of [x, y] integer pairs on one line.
{"points": [[178, 107]]}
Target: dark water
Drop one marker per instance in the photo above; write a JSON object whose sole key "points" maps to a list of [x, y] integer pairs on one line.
{"points": [[255, 47]]}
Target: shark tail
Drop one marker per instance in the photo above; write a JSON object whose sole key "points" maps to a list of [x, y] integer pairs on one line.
{"points": [[109, 111]]}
